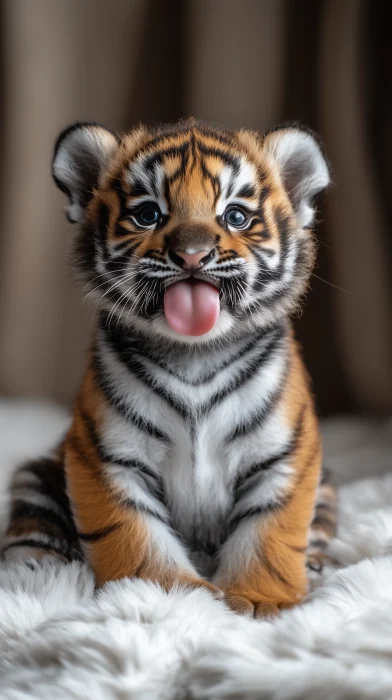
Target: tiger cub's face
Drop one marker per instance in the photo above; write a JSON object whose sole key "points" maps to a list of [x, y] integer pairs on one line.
{"points": [[190, 232]]}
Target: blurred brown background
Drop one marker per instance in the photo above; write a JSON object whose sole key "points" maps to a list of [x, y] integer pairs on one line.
{"points": [[251, 63]]}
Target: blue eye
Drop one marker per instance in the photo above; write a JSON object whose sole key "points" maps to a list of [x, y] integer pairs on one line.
{"points": [[147, 215], [234, 216]]}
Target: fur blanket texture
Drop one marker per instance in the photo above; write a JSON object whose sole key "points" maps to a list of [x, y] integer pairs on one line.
{"points": [[60, 639]]}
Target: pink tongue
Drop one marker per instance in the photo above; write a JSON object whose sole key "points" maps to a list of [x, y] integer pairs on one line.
{"points": [[191, 308]]}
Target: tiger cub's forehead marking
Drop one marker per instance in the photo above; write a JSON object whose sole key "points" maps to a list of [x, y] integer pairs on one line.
{"points": [[147, 183], [193, 174], [239, 187]]}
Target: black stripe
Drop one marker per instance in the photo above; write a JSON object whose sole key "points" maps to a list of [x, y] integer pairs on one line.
{"points": [[226, 254], [50, 474], [267, 302], [155, 261], [77, 446], [115, 263], [266, 509], [282, 502], [232, 290], [139, 348], [246, 192], [230, 186], [167, 195], [255, 469], [257, 236], [171, 151], [275, 573], [98, 534], [153, 183], [266, 464], [130, 464], [138, 370], [142, 508], [185, 127], [225, 138], [309, 464], [213, 179], [227, 158], [142, 423], [93, 435], [23, 510], [103, 225], [52, 482], [266, 190], [139, 189], [323, 522], [300, 550], [264, 275], [326, 476], [92, 431], [26, 542], [317, 543], [124, 353], [145, 425], [326, 509], [193, 153], [117, 186], [84, 250], [118, 247], [123, 501], [157, 490], [246, 373], [257, 419], [302, 263]]}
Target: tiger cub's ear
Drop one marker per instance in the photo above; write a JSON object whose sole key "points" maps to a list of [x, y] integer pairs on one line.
{"points": [[81, 154], [301, 165]]}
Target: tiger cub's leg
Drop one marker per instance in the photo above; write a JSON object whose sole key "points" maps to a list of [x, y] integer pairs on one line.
{"points": [[41, 524], [125, 533], [322, 530], [262, 565]]}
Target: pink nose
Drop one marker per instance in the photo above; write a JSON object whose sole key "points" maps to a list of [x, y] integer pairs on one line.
{"points": [[192, 261]]}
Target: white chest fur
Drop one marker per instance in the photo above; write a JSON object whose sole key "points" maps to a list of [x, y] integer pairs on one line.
{"points": [[197, 426]]}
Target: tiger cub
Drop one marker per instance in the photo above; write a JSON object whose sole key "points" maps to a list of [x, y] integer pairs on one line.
{"points": [[194, 454]]}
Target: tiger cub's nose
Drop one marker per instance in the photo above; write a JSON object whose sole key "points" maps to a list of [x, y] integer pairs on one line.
{"points": [[191, 261]]}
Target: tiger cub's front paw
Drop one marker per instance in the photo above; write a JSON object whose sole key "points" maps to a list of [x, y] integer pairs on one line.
{"points": [[242, 605]]}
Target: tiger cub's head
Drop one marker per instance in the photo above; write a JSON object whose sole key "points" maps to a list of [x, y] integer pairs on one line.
{"points": [[190, 232]]}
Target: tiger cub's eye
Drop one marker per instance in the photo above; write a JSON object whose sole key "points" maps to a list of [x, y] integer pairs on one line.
{"points": [[147, 215], [234, 216]]}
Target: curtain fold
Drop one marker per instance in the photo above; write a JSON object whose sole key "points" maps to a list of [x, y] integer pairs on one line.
{"points": [[251, 63], [62, 61], [355, 216]]}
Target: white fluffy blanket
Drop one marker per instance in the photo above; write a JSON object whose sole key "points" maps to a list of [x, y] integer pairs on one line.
{"points": [[58, 639]]}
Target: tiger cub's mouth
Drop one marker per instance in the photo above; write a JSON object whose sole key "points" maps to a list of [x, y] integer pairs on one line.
{"points": [[191, 306]]}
